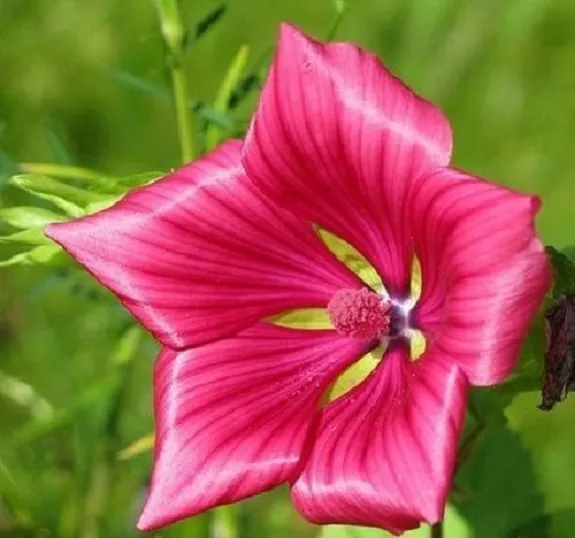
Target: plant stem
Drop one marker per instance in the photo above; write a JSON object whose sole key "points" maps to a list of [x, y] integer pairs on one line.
{"points": [[226, 521], [340, 9], [437, 530], [183, 117], [174, 35]]}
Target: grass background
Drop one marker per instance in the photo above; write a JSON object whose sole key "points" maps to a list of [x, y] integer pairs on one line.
{"points": [[70, 398]]}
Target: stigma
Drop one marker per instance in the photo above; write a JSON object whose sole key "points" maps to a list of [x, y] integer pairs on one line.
{"points": [[360, 313]]}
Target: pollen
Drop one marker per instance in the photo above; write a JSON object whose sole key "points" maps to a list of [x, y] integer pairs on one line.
{"points": [[359, 313]]}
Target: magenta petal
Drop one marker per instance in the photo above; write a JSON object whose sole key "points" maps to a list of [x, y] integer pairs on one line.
{"points": [[484, 271], [339, 139], [233, 416], [200, 254], [385, 452]]}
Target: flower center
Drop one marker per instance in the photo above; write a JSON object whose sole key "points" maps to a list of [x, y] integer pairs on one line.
{"points": [[360, 313]]}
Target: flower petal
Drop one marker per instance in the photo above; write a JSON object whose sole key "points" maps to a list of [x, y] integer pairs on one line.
{"points": [[233, 416], [484, 271], [201, 254], [385, 452], [339, 138]]}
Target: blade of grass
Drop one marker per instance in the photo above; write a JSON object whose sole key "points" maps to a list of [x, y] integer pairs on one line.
{"points": [[213, 135]]}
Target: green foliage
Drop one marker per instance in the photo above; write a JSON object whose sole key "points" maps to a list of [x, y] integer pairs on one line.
{"points": [[204, 25], [563, 271], [75, 378], [221, 105], [93, 192]]}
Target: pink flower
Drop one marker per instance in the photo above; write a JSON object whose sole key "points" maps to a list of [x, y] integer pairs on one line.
{"points": [[202, 256]]}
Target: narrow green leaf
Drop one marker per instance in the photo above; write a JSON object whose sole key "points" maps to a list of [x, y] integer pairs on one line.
{"points": [[210, 115], [37, 255], [202, 109], [204, 25], [28, 217], [134, 82], [140, 446], [31, 184], [32, 236], [252, 80], [214, 135], [64, 171], [68, 198], [243, 88]]}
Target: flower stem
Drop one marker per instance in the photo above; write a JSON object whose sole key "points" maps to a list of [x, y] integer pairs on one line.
{"points": [[437, 530], [174, 35], [340, 10], [183, 116], [226, 521]]}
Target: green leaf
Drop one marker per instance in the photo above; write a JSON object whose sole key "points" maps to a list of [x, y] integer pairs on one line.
{"points": [[499, 473], [77, 173], [134, 82], [205, 24], [50, 190], [28, 217], [210, 115], [33, 236], [44, 186], [213, 135], [140, 446], [37, 255], [243, 88], [563, 271]]}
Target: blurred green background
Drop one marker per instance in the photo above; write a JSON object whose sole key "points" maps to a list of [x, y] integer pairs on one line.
{"points": [[81, 83]]}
